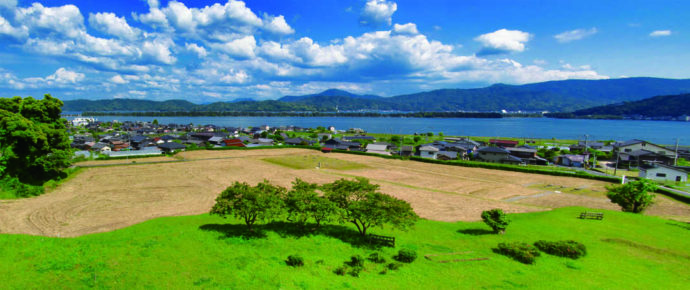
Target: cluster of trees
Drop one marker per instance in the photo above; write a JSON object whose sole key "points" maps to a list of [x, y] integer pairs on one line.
{"points": [[347, 201], [34, 145]]}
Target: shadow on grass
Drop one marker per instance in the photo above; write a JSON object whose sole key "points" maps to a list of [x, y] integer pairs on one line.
{"points": [[285, 229], [476, 232], [235, 230], [682, 226]]}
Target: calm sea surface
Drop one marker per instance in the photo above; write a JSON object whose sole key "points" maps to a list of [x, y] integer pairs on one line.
{"points": [[661, 132]]}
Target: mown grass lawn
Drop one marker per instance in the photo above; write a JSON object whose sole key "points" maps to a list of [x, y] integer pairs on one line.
{"points": [[624, 251], [313, 161]]}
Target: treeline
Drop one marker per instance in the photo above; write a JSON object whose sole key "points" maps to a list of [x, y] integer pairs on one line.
{"points": [[297, 114], [346, 201], [660, 106]]}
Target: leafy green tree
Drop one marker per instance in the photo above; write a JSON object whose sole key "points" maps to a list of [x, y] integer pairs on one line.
{"points": [[250, 203], [633, 196], [362, 205], [496, 219], [303, 202], [34, 146]]}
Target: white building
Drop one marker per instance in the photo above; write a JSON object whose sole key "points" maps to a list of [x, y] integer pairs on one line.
{"points": [[662, 172], [428, 152], [81, 121]]}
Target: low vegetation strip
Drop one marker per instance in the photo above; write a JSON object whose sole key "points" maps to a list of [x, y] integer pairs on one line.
{"points": [[313, 161], [210, 252]]}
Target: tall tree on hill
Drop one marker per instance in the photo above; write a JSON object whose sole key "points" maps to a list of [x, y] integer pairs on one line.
{"points": [[362, 205], [34, 146]]}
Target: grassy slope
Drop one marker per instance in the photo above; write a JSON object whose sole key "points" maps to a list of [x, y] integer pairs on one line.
{"points": [[177, 252]]}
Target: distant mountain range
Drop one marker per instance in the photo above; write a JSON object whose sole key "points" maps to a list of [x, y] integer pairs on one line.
{"points": [[659, 106], [558, 96]]}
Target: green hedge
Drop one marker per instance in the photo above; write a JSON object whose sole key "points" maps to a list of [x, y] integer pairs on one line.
{"points": [[521, 252], [673, 195], [568, 249]]}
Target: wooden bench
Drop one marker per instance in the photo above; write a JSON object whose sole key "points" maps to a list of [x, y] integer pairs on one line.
{"points": [[390, 241], [592, 215]]}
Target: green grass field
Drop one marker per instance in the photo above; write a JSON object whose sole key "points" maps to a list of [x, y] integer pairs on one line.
{"points": [[624, 251], [313, 161]]}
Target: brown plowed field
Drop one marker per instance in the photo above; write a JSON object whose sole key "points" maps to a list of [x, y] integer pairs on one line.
{"points": [[109, 197]]}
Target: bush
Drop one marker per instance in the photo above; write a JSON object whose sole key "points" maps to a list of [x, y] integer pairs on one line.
{"points": [[356, 261], [406, 256], [496, 219], [394, 266], [376, 258], [354, 271], [294, 261], [340, 271], [568, 249], [521, 252]]}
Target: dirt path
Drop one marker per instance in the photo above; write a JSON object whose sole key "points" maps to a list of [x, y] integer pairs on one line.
{"points": [[106, 198]]}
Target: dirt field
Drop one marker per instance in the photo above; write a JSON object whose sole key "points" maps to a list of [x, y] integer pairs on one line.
{"points": [[106, 198]]}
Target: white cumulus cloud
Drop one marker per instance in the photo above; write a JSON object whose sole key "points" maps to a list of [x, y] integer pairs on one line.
{"points": [[110, 24], [63, 75], [277, 25], [577, 34], [199, 50], [378, 12], [660, 33], [503, 41], [117, 79], [409, 28]]}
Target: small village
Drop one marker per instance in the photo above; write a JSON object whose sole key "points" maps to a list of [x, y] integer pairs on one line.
{"points": [[95, 139]]}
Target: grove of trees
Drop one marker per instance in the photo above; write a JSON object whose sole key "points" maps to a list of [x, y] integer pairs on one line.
{"points": [[347, 201], [34, 145]]}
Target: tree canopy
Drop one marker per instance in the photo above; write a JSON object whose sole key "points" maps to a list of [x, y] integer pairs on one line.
{"points": [[34, 146], [362, 205], [633, 196], [250, 203]]}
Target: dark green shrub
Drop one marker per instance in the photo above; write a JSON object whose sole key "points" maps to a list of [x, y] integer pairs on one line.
{"points": [[294, 261], [354, 271], [394, 266], [406, 256], [376, 258], [356, 261], [521, 252], [340, 270], [496, 219], [568, 249]]}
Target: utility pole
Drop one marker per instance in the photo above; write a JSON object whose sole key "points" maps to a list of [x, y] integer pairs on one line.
{"points": [[617, 158], [675, 157], [586, 155]]}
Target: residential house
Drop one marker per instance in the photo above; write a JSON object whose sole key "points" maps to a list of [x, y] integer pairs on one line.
{"points": [[216, 140], [527, 154], [447, 155], [378, 149], [236, 142], [428, 151], [169, 147], [639, 157], [262, 142], [342, 145], [299, 141], [497, 154], [661, 172], [635, 145], [406, 150], [571, 160]]}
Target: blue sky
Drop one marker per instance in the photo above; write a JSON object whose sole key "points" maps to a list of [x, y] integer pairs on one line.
{"points": [[206, 51]]}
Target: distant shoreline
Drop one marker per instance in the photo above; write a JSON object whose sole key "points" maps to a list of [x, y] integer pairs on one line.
{"points": [[303, 114]]}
